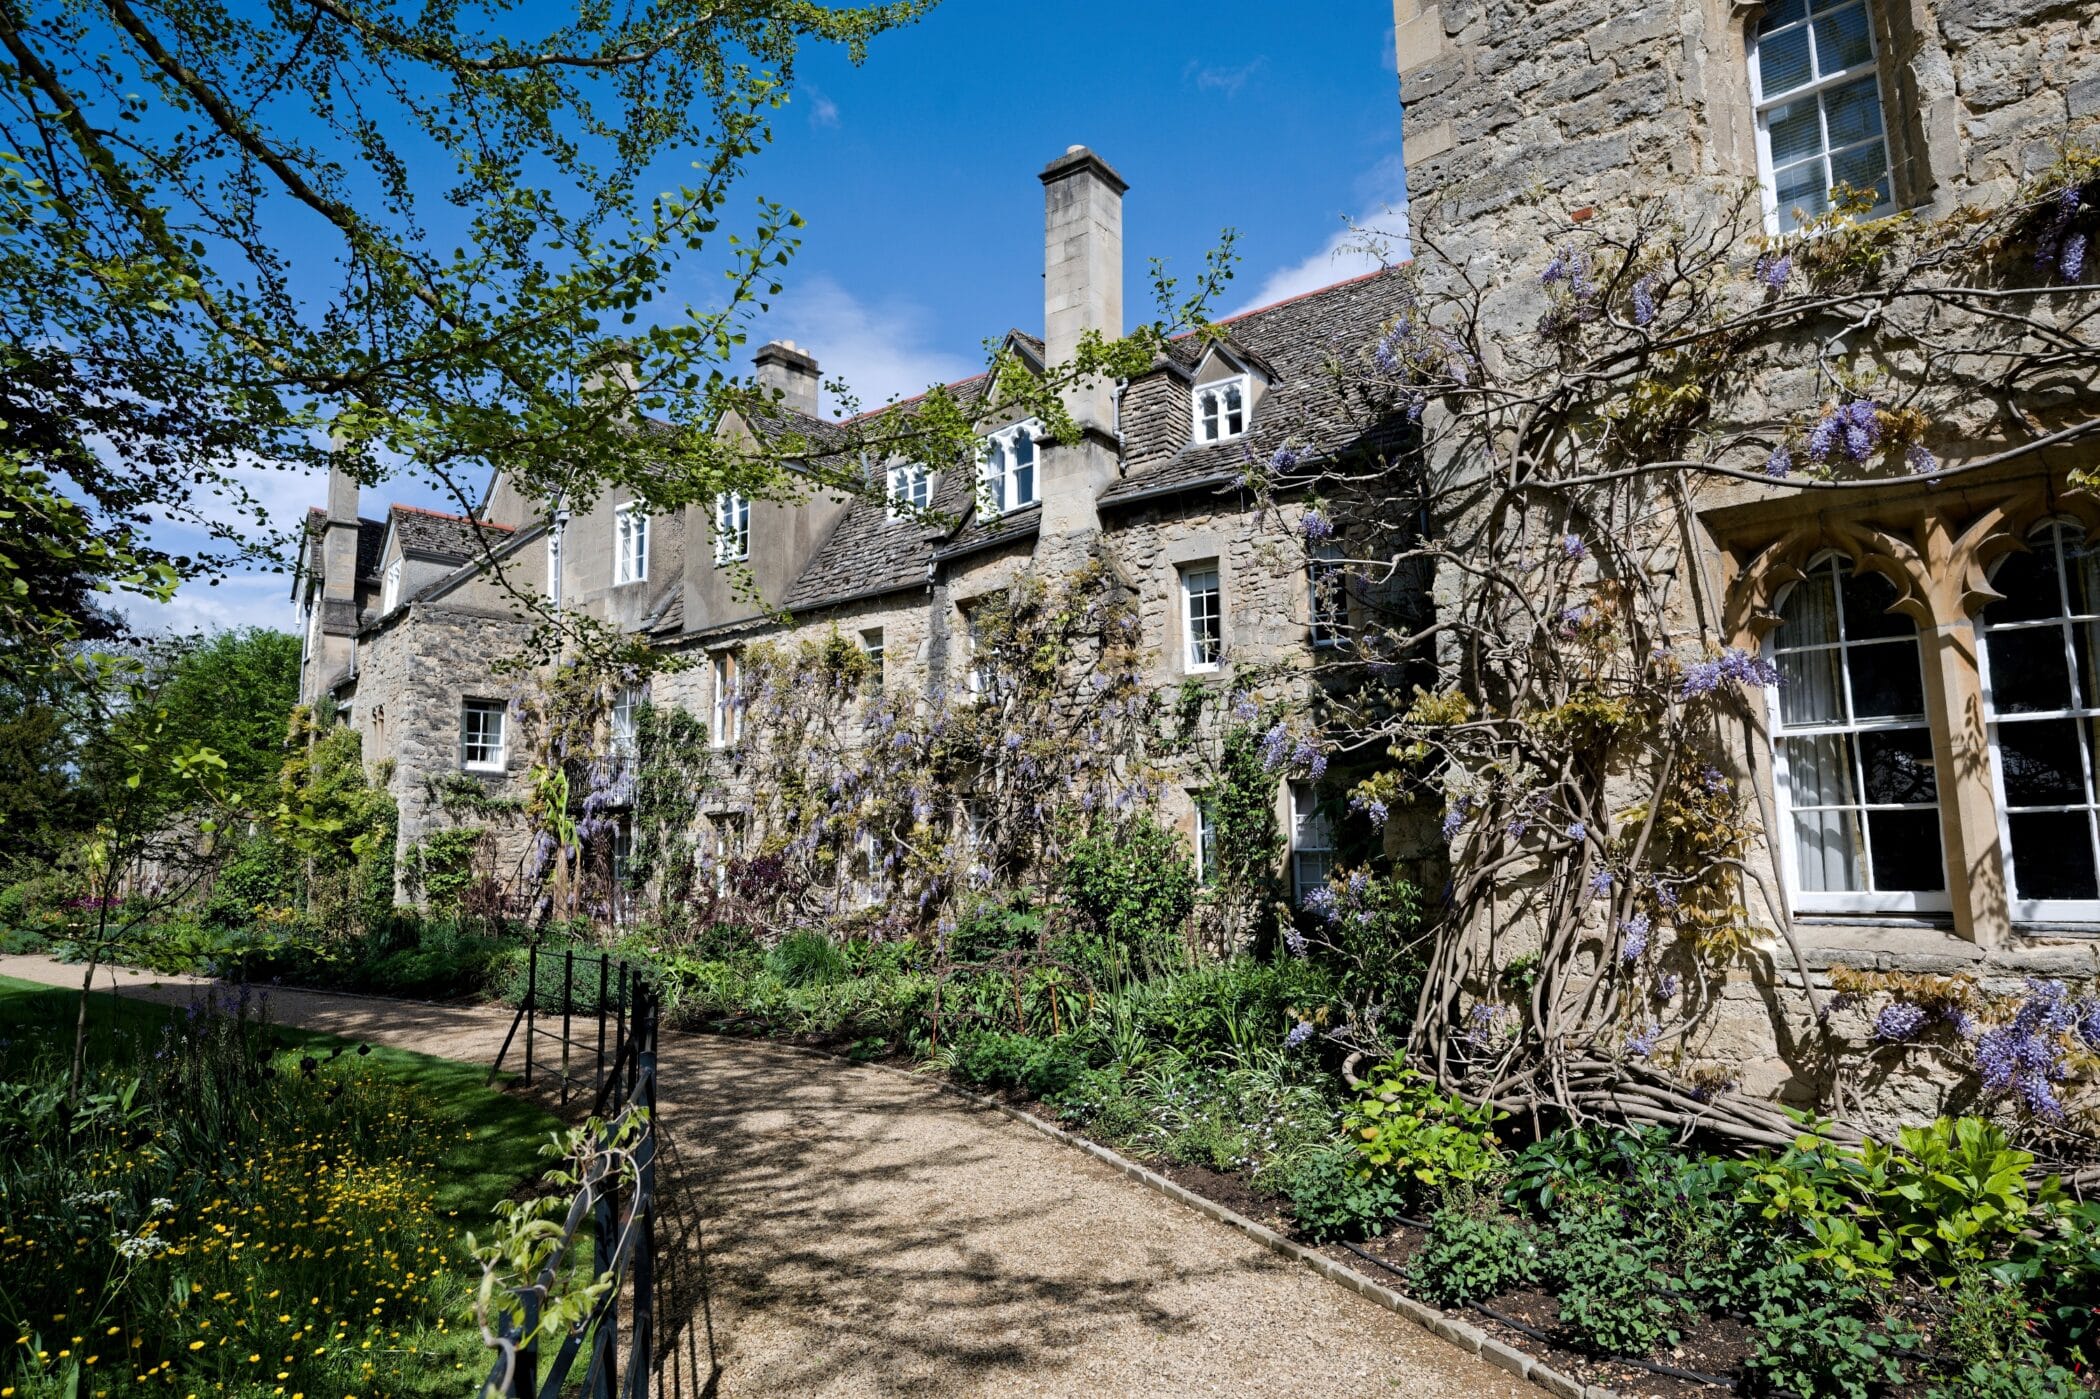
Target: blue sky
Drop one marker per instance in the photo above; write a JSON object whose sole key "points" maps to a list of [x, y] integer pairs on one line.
{"points": [[917, 175]]}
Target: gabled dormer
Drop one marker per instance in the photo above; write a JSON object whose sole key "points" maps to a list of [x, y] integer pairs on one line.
{"points": [[1225, 393]]}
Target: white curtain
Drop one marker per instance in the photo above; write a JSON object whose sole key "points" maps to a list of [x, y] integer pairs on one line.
{"points": [[1827, 848]]}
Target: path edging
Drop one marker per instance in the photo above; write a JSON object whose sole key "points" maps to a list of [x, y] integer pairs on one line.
{"points": [[1443, 1325]]}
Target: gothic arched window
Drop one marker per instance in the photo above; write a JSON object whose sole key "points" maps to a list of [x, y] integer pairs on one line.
{"points": [[2042, 696], [1852, 748]]}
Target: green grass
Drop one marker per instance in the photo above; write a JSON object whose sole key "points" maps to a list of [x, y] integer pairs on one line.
{"points": [[497, 1148]]}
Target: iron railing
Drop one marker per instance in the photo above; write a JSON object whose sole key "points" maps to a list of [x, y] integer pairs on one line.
{"points": [[624, 1244], [610, 988]]}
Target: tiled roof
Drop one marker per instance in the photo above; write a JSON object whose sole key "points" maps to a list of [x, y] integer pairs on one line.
{"points": [[371, 537], [435, 533], [1295, 341]]}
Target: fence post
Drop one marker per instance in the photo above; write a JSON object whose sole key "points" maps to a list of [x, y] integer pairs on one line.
{"points": [[568, 988], [532, 995], [605, 1346], [598, 1072], [525, 1378]]}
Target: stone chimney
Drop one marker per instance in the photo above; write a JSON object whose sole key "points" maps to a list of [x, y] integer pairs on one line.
{"points": [[1082, 269], [1082, 291], [788, 369]]}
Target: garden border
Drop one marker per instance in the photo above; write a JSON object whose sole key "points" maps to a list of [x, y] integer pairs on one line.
{"points": [[1443, 1325]]}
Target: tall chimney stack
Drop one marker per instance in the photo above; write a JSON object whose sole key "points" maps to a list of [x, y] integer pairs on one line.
{"points": [[788, 369], [1082, 269]]}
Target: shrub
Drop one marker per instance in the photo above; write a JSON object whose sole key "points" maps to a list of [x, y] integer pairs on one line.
{"points": [[1003, 1059], [1616, 1292], [1473, 1253], [987, 927], [1133, 883], [733, 943], [806, 959], [1237, 1004], [1334, 1195], [1404, 1124], [1819, 1336]]}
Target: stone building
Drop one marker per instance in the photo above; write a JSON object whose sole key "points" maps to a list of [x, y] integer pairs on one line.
{"points": [[404, 616], [1925, 776]]}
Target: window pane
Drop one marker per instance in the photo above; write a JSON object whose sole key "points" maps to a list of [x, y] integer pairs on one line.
{"points": [[1024, 485], [1906, 851], [1808, 688], [1819, 770], [1782, 61], [1868, 598], [2052, 855], [2028, 581], [2082, 653], [1827, 851], [2082, 572], [1808, 617], [2027, 670], [1795, 131], [1863, 167], [1898, 767], [1842, 40], [1778, 13], [1853, 111], [2041, 762], [1802, 189], [1886, 680]]}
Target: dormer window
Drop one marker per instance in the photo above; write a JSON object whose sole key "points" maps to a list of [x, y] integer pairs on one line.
{"points": [[732, 527], [390, 588], [911, 488], [1221, 410], [1006, 479]]}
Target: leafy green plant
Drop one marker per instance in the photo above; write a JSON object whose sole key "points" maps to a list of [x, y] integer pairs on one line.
{"points": [[1134, 884], [988, 927], [1473, 1252], [1334, 1195], [1003, 1059], [1403, 1123], [1617, 1294], [1820, 1336], [806, 959]]}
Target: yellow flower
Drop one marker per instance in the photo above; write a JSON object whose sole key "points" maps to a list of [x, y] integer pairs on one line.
{"points": [[196, 1345]]}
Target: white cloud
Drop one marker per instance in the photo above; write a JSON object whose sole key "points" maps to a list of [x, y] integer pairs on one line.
{"points": [[1365, 242], [823, 112], [1217, 78], [237, 600], [879, 348]]}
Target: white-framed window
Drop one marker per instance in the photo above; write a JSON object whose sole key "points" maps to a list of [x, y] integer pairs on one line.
{"points": [[1206, 838], [911, 486], [390, 587], [630, 545], [1220, 409], [623, 851], [977, 675], [482, 723], [1816, 82], [1006, 474], [732, 527], [727, 720], [1852, 749], [627, 705], [1312, 841], [728, 831], [1328, 582], [554, 533], [1202, 618], [2041, 688], [871, 647]]}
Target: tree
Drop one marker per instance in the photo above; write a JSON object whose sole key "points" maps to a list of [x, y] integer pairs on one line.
{"points": [[227, 232]]}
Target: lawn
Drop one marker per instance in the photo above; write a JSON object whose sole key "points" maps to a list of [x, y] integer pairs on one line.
{"points": [[250, 1210]]}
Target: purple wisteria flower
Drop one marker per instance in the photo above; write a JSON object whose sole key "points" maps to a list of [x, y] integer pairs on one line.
{"points": [[1371, 807], [1666, 988], [1285, 458], [2072, 264], [1642, 1044], [1636, 930], [1780, 464], [1573, 549], [1600, 884], [1558, 270], [1455, 819], [2026, 1056], [2058, 244], [1307, 757], [1899, 1022], [1919, 460], [1578, 832], [1853, 429], [1299, 1034], [1665, 896], [1244, 708], [1644, 298], [1323, 904], [1774, 268], [1276, 746], [1734, 666]]}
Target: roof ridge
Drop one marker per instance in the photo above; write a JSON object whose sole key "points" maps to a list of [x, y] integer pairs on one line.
{"points": [[1303, 295], [903, 402], [448, 515]]}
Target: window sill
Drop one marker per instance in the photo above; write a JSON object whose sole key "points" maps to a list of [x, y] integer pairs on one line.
{"points": [[485, 769]]}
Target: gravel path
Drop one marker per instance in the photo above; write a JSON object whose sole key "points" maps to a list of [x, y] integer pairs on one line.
{"points": [[860, 1232]]}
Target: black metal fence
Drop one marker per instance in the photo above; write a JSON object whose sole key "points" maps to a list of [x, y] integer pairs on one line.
{"points": [[573, 1002], [619, 1191]]}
